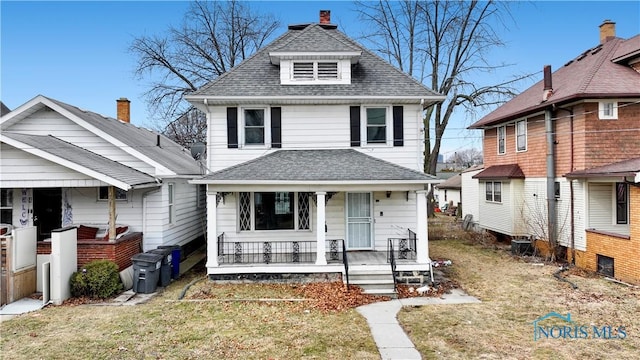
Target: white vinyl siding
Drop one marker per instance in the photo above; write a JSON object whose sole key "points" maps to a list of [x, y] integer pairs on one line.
{"points": [[470, 196], [504, 217], [316, 127]]}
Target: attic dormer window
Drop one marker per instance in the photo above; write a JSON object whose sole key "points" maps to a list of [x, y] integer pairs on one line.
{"points": [[315, 70]]}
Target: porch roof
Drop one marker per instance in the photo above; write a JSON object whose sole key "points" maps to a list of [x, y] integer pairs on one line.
{"points": [[630, 167], [509, 171], [317, 166], [78, 159]]}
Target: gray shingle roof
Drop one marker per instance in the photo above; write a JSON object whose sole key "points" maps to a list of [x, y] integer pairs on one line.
{"points": [[84, 158], [256, 76], [169, 154], [319, 166], [592, 74]]}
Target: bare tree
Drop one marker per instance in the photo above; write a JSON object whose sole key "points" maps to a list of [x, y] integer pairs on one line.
{"points": [[466, 158], [213, 38], [188, 128], [443, 44]]}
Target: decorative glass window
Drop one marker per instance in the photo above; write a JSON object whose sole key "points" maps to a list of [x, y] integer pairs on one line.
{"points": [[254, 126], [376, 125], [608, 110], [521, 135], [493, 191], [103, 194], [171, 208], [318, 70], [502, 135], [6, 206], [274, 211], [622, 203]]}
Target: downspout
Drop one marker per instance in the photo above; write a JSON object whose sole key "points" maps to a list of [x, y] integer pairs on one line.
{"points": [[551, 166], [572, 231]]}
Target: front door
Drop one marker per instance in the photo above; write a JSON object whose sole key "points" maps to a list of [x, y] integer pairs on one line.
{"points": [[359, 221], [47, 211]]}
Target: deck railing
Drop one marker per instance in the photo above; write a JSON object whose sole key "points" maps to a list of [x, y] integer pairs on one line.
{"points": [[278, 252], [402, 248]]}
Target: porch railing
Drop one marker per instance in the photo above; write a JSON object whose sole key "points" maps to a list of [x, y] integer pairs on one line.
{"points": [[392, 261], [345, 262], [278, 252], [402, 248]]}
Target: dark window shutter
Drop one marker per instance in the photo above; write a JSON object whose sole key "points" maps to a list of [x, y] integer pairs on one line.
{"points": [[276, 127], [398, 126], [232, 128], [355, 125]]}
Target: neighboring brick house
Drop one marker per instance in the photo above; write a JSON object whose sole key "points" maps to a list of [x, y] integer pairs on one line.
{"points": [[315, 146], [584, 115]]}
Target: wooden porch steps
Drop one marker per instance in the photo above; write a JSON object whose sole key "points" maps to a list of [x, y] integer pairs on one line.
{"points": [[374, 282]]}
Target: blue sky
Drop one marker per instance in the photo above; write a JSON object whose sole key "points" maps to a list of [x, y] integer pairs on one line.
{"points": [[76, 51]]}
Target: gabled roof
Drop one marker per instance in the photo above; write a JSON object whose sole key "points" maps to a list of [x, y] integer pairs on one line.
{"points": [[624, 168], [454, 182], [498, 172], [80, 160], [317, 166], [592, 74], [258, 78], [139, 142]]}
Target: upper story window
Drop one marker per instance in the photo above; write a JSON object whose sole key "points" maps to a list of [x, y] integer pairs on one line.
{"points": [[521, 135], [255, 127], [103, 194], [376, 125], [315, 70], [608, 110], [502, 136]]}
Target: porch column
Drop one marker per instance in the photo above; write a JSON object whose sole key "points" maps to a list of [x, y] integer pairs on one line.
{"points": [[212, 225], [111, 193], [422, 230], [321, 258]]}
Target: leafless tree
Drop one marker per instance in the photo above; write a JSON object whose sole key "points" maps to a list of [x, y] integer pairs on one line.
{"points": [[443, 44], [466, 158], [188, 128], [213, 38]]}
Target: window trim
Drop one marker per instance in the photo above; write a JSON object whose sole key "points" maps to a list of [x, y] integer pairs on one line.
{"points": [[518, 149], [501, 135], [490, 191], [295, 210], [364, 126], [170, 202], [267, 127], [602, 109], [119, 193]]}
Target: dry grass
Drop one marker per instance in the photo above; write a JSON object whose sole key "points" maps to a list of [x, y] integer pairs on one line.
{"points": [[515, 292], [231, 324]]}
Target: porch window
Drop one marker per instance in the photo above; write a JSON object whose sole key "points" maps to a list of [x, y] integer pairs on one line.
{"points": [[521, 135], [103, 194], [502, 134], [6, 206], [493, 191], [622, 203], [273, 211]]}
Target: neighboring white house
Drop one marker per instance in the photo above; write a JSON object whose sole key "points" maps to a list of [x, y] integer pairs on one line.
{"points": [[448, 191], [314, 142], [470, 193], [58, 162]]}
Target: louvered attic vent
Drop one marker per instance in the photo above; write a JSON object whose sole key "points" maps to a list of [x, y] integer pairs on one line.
{"points": [[315, 71], [303, 70], [327, 70]]}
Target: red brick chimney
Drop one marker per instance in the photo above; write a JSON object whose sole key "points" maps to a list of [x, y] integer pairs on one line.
{"points": [[325, 16], [124, 109], [607, 31]]}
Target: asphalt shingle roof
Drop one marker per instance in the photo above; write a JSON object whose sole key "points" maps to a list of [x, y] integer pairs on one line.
{"points": [[623, 168], [592, 74], [509, 171], [257, 76], [84, 158], [169, 154], [319, 165]]}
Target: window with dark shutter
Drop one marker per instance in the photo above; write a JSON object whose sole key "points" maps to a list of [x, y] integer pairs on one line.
{"points": [[355, 125], [232, 128], [276, 127], [398, 126]]}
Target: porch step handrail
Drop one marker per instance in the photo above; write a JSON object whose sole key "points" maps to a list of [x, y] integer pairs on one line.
{"points": [[345, 261], [392, 260], [405, 247]]}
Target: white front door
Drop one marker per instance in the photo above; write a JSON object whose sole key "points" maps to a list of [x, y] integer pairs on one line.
{"points": [[359, 221]]}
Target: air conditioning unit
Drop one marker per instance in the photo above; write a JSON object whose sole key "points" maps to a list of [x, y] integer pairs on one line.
{"points": [[521, 247]]}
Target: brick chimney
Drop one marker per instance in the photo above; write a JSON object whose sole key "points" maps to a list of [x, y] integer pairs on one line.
{"points": [[607, 31], [325, 16], [547, 91], [124, 109]]}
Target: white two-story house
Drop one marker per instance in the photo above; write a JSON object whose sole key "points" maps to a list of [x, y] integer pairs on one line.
{"points": [[315, 146]]}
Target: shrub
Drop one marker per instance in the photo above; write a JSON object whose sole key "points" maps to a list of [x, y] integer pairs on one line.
{"points": [[98, 279]]}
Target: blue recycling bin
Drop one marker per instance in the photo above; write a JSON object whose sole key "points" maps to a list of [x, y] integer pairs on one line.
{"points": [[176, 254]]}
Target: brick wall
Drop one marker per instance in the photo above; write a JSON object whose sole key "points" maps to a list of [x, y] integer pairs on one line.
{"points": [[625, 251], [119, 252]]}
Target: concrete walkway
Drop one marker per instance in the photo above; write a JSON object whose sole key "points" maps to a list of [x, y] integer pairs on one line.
{"points": [[389, 336]]}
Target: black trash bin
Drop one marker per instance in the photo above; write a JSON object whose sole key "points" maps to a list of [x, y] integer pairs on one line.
{"points": [[165, 266], [146, 271], [176, 257]]}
